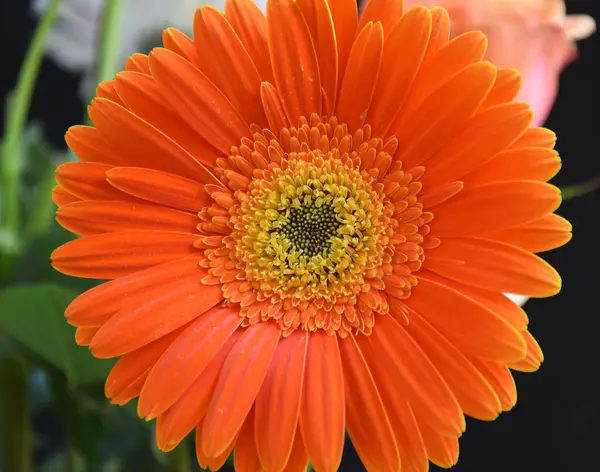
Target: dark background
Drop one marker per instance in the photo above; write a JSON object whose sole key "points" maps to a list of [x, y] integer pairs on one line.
{"points": [[555, 425]]}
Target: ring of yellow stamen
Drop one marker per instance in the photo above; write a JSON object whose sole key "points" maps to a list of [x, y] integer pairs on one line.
{"points": [[316, 193]]}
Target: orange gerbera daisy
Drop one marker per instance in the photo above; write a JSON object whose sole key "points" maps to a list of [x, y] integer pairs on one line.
{"points": [[309, 221]]}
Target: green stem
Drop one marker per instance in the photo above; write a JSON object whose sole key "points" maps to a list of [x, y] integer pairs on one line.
{"points": [[15, 428], [579, 190], [18, 109], [178, 460]]}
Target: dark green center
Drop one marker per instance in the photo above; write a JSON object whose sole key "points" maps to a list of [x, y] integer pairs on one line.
{"points": [[310, 228]]}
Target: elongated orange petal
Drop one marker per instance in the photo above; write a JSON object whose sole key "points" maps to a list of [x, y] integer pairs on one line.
{"points": [[501, 380], [533, 163], [470, 326], [497, 302], [495, 266], [361, 74], [93, 217], [441, 63], [61, 197], [323, 411], [134, 366], [366, 417], [143, 97], [389, 12], [317, 15], [144, 144], [271, 103], [534, 358], [295, 64], [278, 403], [442, 450], [473, 393], [491, 207], [197, 100], [432, 197], [107, 90], [186, 358], [87, 181], [298, 461], [485, 135], [402, 55], [251, 27], [112, 255], [239, 382], [84, 334], [344, 15], [175, 423], [536, 137], [138, 63], [440, 32], [96, 305], [402, 419], [228, 65], [506, 87], [245, 457], [414, 376], [443, 113], [135, 326], [159, 187], [90, 146], [180, 43]]}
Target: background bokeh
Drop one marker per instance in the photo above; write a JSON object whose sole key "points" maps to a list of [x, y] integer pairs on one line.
{"points": [[555, 423]]}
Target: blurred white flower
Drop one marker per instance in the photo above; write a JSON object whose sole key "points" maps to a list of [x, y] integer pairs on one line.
{"points": [[73, 41]]}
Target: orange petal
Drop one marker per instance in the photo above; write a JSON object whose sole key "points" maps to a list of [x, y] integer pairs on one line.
{"points": [[277, 405], [239, 382], [143, 97], [439, 66], [536, 137], [494, 206], [250, 25], [413, 375], [344, 14], [87, 181], [133, 367], [180, 43], [497, 302], [402, 419], [175, 423], [294, 60], [473, 393], [197, 100], [361, 74], [107, 90], [61, 197], [138, 63], [186, 358], [506, 87], [144, 145], [317, 15], [501, 380], [93, 217], [547, 233], [470, 326], [485, 135], [90, 146], [159, 187], [495, 266], [388, 12], [273, 107], [298, 461], [432, 197], [112, 255], [323, 411], [98, 304], [228, 65], [443, 113], [534, 358], [402, 55], [245, 457], [442, 450], [136, 325], [366, 417], [440, 32], [533, 163], [84, 334]]}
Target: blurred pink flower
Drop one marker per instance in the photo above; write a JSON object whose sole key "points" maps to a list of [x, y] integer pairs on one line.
{"points": [[536, 37]]}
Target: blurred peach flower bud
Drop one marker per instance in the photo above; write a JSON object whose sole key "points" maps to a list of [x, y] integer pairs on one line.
{"points": [[536, 37]]}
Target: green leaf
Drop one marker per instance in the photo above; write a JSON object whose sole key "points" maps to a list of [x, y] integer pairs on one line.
{"points": [[33, 315]]}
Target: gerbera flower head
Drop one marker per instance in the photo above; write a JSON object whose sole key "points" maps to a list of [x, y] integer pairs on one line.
{"points": [[309, 221]]}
